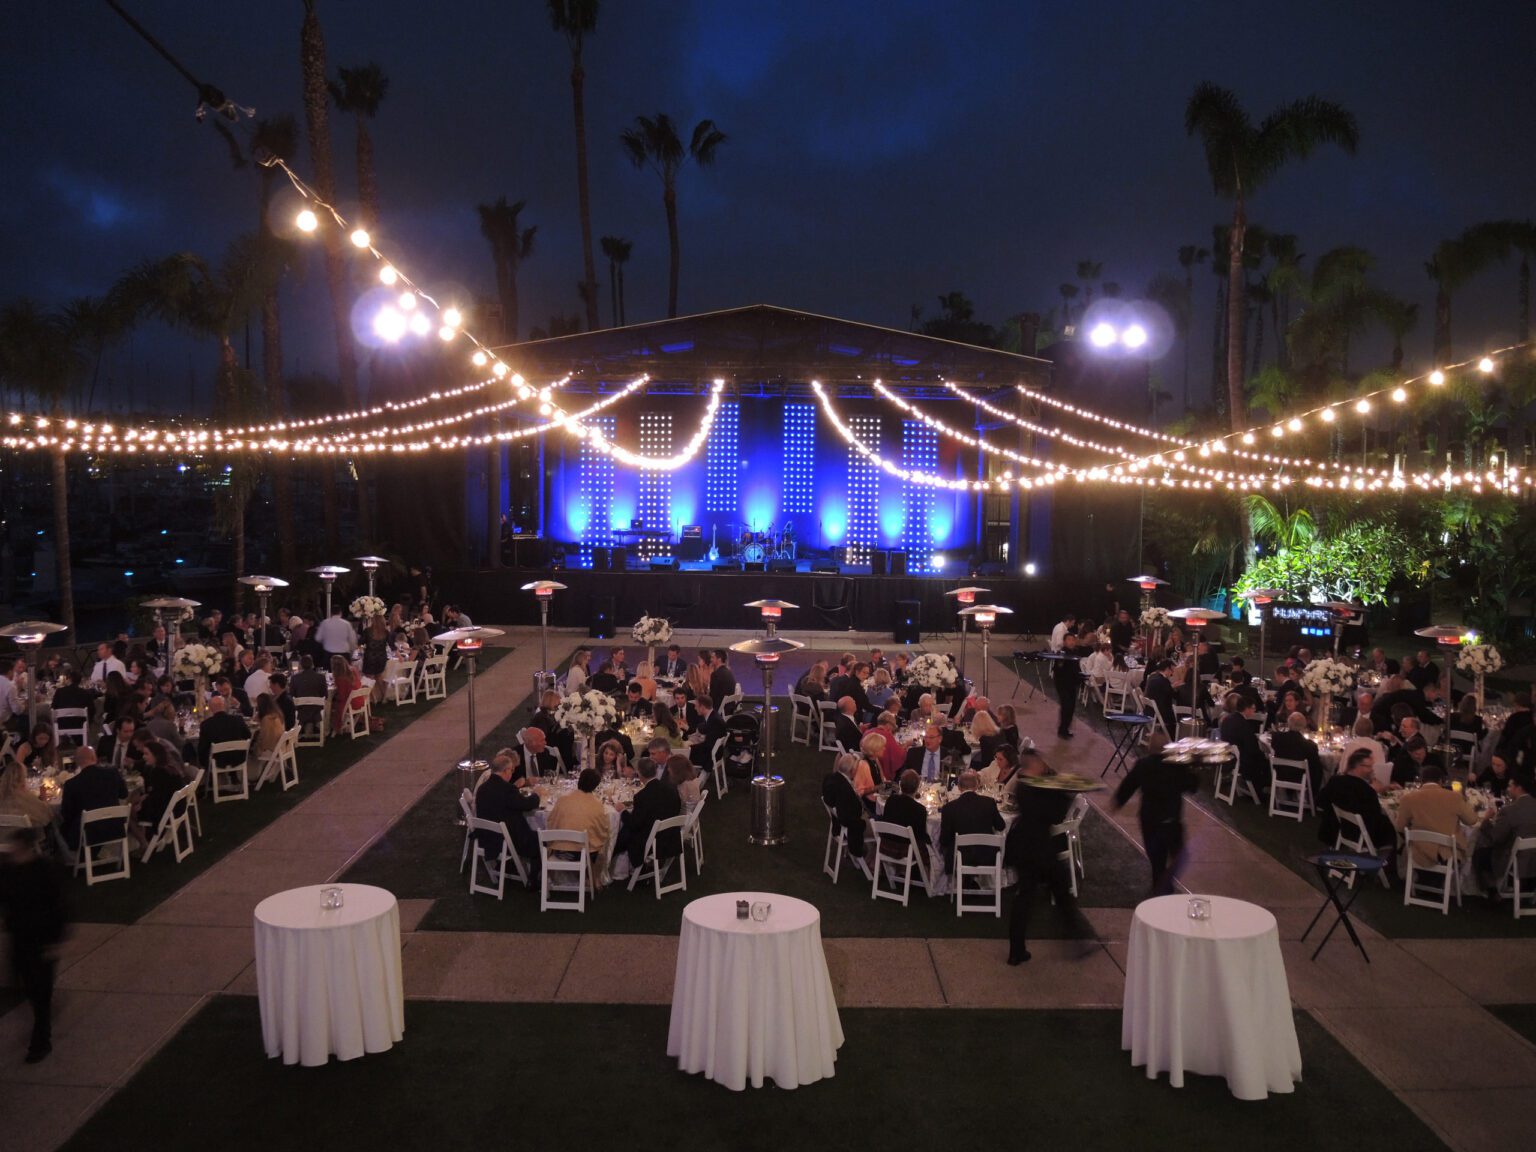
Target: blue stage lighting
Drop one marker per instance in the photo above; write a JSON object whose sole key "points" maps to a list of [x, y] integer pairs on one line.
{"points": [[655, 504], [863, 490], [589, 514], [799, 459], [722, 461], [919, 453]]}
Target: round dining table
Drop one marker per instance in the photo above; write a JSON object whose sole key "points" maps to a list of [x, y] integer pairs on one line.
{"points": [[752, 999], [328, 978], [1209, 996]]}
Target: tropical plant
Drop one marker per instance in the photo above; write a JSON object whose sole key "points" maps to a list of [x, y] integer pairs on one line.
{"points": [[1069, 293], [1280, 528], [576, 20], [1088, 273], [617, 249], [511, 244], [1360, 563], [1284, 282], [359, 92], [655, 141], [1457, 261], [957, 321], [1241, 156]]}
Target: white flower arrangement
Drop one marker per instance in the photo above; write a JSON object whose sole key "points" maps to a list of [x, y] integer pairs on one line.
{"points": [[367, 607], [1102, 636], [1479, 659], [1325, 677], [932, 671], [193, 660], [1155, 618], [652, 630], [587, 713]]}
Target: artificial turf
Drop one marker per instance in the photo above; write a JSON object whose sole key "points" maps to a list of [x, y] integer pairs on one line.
{"points": [[545, 1076]]}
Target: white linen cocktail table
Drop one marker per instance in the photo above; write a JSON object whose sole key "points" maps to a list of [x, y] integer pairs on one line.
{"points": [[753, 1001], [1210, 996], [329, 978]]}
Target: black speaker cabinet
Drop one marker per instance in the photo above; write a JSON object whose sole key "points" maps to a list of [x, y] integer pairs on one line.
{"points": [[909, 621], [601, 627], [879, 562], [602, 558], [898, 563]]}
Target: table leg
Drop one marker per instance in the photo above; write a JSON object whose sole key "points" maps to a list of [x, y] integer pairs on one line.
{"points": [[1343, 917]]}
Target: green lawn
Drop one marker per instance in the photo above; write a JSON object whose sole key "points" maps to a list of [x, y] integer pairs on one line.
{"points": [[227, 826], [511, 1076]]}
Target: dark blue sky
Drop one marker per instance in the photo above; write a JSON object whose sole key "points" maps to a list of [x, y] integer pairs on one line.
{"points": [[881, 152]]}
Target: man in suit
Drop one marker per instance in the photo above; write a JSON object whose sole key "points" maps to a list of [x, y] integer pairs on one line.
{"points": [[93, 786], [1423, 672], [1291, 743], [541, 761], [309, 682], [928, 760], [674, 667], [1162, 785], [1417, 699], [1159, 690], [1496, 843], [850, 684], [220, 726], [709, 729], [837, 793], [1068, 678], [1353, 789], [1517, 729], [113, 747], [1238, 729], [657, 800], [722, 682], [969, 813], [904, 809], [1435, 808], [846, 727], [1033, 851], [70, 694], [636, 705], [501, 798], [562, 740]]}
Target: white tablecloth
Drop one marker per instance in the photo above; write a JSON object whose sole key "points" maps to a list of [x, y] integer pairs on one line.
{"points": [[329, 978], [1210, 997], [753, 1001]]}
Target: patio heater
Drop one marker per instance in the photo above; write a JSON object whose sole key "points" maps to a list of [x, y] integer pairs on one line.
{"points": [[177, 604], [544, 591], [1149, 585], [964, 597], [767, 789], [1260, 597], [1195, 619], [371, 566], [262, 586], [772, 611], [328, 574], [468, 641], [1343, 613], [28, 635], [985, 616]]}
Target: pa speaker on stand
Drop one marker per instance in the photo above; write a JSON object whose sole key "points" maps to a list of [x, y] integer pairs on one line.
{"points": [[601, 627], [909, 621]]}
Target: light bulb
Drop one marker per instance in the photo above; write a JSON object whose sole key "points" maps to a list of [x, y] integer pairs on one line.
{"points": [[452, 318], [407, 300], [1248, 438], [1363, 406], [307, 220], [1399, 394], [479, 359], [445, 333], [388, 275], [500, 368], [1295, 424], [1327, 415], [1437, 377], [360, 238], [1485, 365]]}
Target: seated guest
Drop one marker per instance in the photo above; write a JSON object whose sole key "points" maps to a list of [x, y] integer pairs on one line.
{"points": [[927, 760], [344, 683], [903, 809], [580, 810], [501, 798], [1238, 729], [664, 722], [1409, 759], [269, 726], [850, 685], [160, 784], [846, 727], [709, 729], [1291, 743], [657, 800], [697, 680], [1466, 718], [70, 693], [259, 678], [969, 813], [605, 679], [220, 726], [1158, 689], [673, 666], [92, 786], [1496, 841], [838, 794], [645, 677], [722, 681], [899, 669], [40, 752], [1238, 673], [277, 685], [986, 733], [1494, 778], [876, 659], [617, 663], [1008, 725], [540, 760], [222, 687], [924, 710], [562, 740], [576, 675], [894, 755], [685, 778], [620, 738], [612, 763], [16, 798], [814, 683], [1435, 808], [309, 682], [113, 747], [1353, 789], [868, 774], [170, 754], [1005, 762], [244, 666], [637, 706], [882, 689]]}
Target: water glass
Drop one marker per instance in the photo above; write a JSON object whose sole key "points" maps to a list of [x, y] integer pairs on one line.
{"points": [[760, 910], [1199, 908], [332, 897]]}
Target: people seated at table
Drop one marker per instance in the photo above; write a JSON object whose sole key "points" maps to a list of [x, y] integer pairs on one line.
{"points": [[1496, 839], [722, 681], [813, 684], [838, 794], [1292, 743], [1417, 700], [107, 662], [850, 685], [673, 666], [868, 775], [1431, 807], [40, 751], [92, 786], [236, 704], [927, 760], [503, 797], [924, 709], [538, 758], [1423, 671], [219, 726], [664, 723], [636, 706], [1067, 624], [1238, 728], [277, 687], [1353, 789], [1158, 689], [580, 810], [1122, 630], [969, 813], [310, 683], [894, 755], [1466, 719], [904, 809], [16, 799], [1290, 702], [1494, 779], [882, 689], [612, 763], [988, 737], [563, 740], [344, 682], [845, 725], [605, 679], [1001, 769], [577, 674], [113, 745], [269, 726], [70, 693], [1008, 725], [685, 778], [656, 800], [1409, 759], [709, 729], [899, 665], [618, 664], [161, 782], [1097, 664], [138, 754]]}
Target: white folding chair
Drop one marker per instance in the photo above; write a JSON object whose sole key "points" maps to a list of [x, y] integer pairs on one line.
{"points": [[988, 877], [729, 705], [1117, 691], [70, 724], [229, 764], [889, 862], [1072, 824], [11, 820], [654, 868], [1523, 891], [826, 740], [554, 865], [356, 717], [175, 822], [196, 785], [693, 836], [312, 732], [717, 766], [93, 856], [1354, 837], [1066, 855], [802, 719], [281, 763], [495, 867], [1448, 870], [837, 845], [434, 677], [467, 807], [1463, 748], [399, 681], [1292, 798]]}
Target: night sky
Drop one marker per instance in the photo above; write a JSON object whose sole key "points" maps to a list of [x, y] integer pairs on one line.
{"points": [[881, 151]]}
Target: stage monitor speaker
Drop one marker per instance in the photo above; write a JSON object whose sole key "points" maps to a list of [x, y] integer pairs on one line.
{"points": [[825, 569], [663, 564], [898, 563], [781, 565], [879, 561], [723, 566], [601, 627], [753, 566], [602, 558], [691, 548], [909, 621]]}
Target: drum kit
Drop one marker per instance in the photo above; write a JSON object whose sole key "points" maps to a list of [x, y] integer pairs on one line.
{"points": [[760, 547]]}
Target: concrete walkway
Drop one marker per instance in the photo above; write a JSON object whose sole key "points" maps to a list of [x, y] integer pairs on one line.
{"points": [[1413, 1016]]}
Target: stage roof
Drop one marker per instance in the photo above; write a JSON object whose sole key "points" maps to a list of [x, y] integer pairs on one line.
{"points": [[772, 351]]}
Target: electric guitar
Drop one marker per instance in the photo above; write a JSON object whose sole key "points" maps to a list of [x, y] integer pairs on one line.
{"points": [[714, 553]]}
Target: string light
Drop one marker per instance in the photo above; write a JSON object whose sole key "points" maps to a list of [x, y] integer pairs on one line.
{"points": [[307, 221], [360, 238]]}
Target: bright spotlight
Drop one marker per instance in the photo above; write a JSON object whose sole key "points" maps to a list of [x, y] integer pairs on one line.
{"points": [[360, 238], [389, 324], [479, 359], [307, 220], [420, 325], [1134, 337], [938, 560], [1102, 334], [1030, 569], [446, 333]]}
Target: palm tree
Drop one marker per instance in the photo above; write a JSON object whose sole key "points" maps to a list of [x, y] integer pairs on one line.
{"points": [[1457, 261], [1189, 256], [511, 244], [656, 142], [1069, 293], [575, 20], [359, 92], [1284, 283], [1241, 157], [1281, 528], [1089, 271], [317, 120], [617, 249]]}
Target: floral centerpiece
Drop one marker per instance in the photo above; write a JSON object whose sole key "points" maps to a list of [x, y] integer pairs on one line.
{"points": [[1155, 618], [586, 714], [367, 607], [1479, 660], [197, 662], [1102, 636], [1326, 678], [932, 671], [651, 631]]}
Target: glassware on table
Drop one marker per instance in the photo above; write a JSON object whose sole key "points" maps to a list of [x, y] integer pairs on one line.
{"points": [[1199, 908], [760, 910], [332, 897]]}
